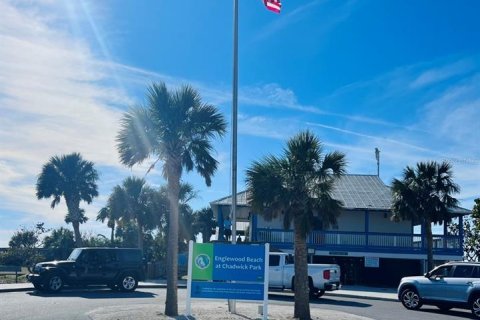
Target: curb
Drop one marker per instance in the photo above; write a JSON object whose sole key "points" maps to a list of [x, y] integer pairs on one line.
{"points": [[16, 289], [359, 296], [28, 288], [152, 286]]}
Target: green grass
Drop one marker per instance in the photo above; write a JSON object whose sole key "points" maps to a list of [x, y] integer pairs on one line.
{"points": [[10, 278]]}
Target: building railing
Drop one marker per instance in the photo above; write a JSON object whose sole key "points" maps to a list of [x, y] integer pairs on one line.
{"points": [[360, 241]]}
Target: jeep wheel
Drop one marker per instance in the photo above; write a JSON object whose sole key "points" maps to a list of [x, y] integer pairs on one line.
{"points": [[410, 299], [128, 282], [54, 283], [475, 306]]}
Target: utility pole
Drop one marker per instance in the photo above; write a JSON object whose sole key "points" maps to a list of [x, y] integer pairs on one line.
{"points": [[377, 156]]}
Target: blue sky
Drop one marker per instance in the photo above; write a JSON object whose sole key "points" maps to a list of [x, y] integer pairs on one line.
{"points": [[403, 76]]}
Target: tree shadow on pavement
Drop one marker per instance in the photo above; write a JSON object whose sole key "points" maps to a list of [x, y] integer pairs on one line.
{"points": [[93, 294]]}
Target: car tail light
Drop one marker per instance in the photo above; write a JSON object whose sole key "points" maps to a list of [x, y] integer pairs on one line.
{"points": [[326, 274]]}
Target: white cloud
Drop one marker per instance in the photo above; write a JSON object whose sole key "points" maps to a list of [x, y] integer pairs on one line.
{"points": [[58, 97], [55, 98], [442, 73], [454, 114], [270, 94], [5, 236], [260, 126]]}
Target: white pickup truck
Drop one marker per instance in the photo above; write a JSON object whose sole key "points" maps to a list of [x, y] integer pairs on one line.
{"points": [[322, 277]]}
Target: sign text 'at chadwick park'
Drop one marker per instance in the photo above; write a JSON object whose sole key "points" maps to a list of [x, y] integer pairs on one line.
{"points": [[227, 271]]}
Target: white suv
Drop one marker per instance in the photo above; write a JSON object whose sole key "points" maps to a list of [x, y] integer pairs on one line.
{"points": [[451, 285]]}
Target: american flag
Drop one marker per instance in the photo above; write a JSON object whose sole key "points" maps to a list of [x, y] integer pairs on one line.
{"points": [[273, 5]]}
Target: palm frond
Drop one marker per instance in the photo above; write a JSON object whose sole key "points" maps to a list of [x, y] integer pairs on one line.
{"points": [[137, 137]]}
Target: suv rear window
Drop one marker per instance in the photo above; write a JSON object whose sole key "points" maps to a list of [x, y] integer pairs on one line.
{"points": [[463, 271], [476, 272]]}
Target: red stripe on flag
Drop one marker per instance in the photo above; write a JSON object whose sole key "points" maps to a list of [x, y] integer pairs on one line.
{"points": [[273, 5]]}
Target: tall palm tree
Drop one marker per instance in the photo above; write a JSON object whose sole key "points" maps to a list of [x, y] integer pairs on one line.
{"points": [[424, 194], [74, 179], [297, 186], [175, 128]]}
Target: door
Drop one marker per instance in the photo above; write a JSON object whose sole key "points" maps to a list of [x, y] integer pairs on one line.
{"points": [[459, 283], [433, 287], [275, 271], [87, 266], [107, 265]]}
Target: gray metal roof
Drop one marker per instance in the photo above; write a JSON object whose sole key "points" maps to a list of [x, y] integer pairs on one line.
{"points": [[356, 191], [227, 201], [362, 192]]}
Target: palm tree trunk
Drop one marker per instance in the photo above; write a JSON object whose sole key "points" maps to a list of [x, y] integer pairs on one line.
{"points": [[428, 234], [112, 235], [206, 234], [74, 211], [140, 236], [78, 236], [173, 182], [302, 306]]}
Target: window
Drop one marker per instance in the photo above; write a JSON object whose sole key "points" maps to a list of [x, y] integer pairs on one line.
{"points": [[274, 261], [289, 259], [106, 256], [90, 256], [476, 272], [127, 255], [74, 255], [441, 272], [463, 271]]}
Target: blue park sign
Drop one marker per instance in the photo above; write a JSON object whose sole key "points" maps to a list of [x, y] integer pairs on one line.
{"points": [[215, 265]]}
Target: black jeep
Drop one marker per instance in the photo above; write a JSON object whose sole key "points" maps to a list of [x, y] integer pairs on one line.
{"points": [[118, 268]]}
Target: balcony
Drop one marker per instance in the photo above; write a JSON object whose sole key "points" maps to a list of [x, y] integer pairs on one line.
{"points": [[364, 242]]}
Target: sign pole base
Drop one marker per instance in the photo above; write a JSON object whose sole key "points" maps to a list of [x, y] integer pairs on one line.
{"points": [[232, 306]]}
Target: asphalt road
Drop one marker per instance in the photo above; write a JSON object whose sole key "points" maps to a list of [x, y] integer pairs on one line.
{"points": [[76, 304]]}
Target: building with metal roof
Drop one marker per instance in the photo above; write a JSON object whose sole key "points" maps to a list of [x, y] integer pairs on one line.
{"points": [[364, 241]]}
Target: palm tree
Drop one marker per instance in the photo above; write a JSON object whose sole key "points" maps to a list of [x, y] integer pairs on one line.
{"points": [[107, 214], [176, 128], [131, 201], [204, 222], [74, 179], [60, 243], [424, 194], [298, 187]]}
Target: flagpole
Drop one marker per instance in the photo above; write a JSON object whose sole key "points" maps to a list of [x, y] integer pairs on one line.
{"points": [[231, 303], [234, 120]]}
